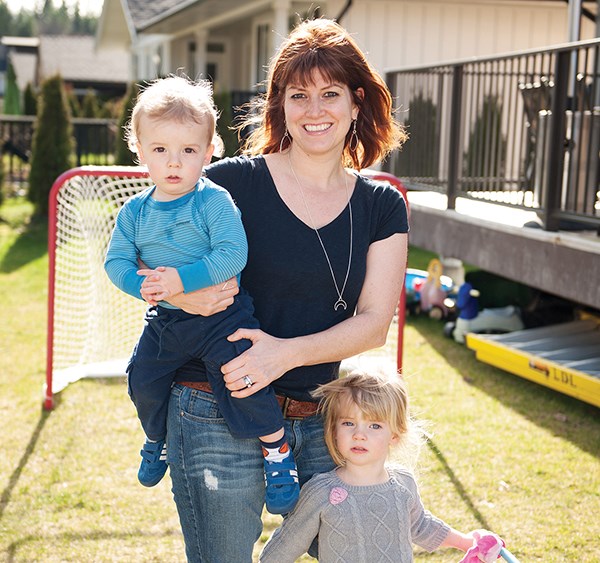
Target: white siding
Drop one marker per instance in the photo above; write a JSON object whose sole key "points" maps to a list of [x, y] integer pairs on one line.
{"points": [[406, 33]]}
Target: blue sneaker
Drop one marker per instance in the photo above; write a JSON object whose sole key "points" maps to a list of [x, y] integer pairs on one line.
{"points": [[282, 487], [154, 463]]}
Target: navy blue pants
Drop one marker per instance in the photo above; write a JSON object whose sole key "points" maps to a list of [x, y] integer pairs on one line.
{"points": [[169, 340]]}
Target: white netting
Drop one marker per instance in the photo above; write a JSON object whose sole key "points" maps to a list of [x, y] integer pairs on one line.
{"points": [[95, 325]]}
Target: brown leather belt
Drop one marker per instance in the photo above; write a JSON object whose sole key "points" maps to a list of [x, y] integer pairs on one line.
{"points": [[291, 409]]}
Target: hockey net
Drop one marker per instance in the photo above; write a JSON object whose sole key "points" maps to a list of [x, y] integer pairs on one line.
{"points": [[92, 325]]}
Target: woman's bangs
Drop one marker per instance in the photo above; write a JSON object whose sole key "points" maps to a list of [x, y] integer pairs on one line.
{"points": [[301, 70]]}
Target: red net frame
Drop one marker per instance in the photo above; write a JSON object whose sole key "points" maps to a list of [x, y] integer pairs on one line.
{"points": [[396, 182], [83, 204]]}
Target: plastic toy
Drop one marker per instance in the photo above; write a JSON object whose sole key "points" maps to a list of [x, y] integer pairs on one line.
{"points": [[470, 319], [428, 291], [487, 547]]}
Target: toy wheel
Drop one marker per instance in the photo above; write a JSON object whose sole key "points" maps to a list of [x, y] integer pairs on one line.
{"points": [[436, 313], [413, 309], [449, 329]]}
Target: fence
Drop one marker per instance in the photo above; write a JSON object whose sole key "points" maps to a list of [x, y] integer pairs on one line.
{"points": [[94, 144], [94, 141], [521, 130]]}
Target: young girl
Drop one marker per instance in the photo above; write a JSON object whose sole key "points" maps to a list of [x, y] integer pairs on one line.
{"points": [[364, 511]]}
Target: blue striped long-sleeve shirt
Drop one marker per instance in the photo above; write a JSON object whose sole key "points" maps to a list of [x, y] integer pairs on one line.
{"points": [[200, 234]]}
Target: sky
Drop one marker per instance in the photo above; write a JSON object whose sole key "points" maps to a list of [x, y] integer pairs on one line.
{"points": [[86, 7]]}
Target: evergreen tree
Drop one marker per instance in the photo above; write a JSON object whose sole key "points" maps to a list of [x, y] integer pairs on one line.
{"points": [[74, 104], [485, 157], [29, 101], [122, 153], [47, 20], [1, 177], [90, 106], [12, 96], [52, 143], [24, 25], [5, 19], [110, 109], [420, 155], [225, 123], [77, 22], [54, 21], [83, 25]]}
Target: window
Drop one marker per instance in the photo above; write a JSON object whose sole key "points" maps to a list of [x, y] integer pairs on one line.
{"points": [[263, 51]]}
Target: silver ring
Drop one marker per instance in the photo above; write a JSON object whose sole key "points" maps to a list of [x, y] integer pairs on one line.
{"points": [[248, 381]]}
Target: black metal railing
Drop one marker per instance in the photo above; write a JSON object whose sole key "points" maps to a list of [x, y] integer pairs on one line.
{"points": [[94, 144], [520, 130], [16, 133]]}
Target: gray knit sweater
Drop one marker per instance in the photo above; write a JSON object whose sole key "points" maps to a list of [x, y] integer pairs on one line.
{"points": [[357, 524]]}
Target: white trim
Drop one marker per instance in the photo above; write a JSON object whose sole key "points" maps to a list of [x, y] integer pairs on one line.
{"points": [[256, 23], [223, 63], [245, 11]]}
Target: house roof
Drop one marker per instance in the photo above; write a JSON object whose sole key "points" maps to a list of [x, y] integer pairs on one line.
{"points": [[142, 12], [150, 15], [75, 58], [18, 42]]}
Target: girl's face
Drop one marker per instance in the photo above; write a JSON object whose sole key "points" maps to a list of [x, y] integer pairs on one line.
{"points": [[319, 115], [362, 442], [174, 153]]}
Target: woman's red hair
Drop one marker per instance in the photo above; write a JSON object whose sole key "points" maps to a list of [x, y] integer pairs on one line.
{"points": [[323, 46]]}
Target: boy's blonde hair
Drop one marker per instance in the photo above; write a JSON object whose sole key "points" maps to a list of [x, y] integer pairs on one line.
{"points": [[379, 397], [179, 99]]}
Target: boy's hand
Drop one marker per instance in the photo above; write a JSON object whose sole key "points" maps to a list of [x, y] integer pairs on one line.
{"points": [[160, 284], [150, 298]]}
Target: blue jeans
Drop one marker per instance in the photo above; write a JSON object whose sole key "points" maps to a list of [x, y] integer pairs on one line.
{"points": [[218, 480], [170, 339]]}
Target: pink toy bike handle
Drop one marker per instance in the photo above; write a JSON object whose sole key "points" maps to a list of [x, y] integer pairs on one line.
{"points": [[508, 556]]}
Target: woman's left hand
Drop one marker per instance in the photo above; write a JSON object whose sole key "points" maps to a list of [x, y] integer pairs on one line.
{"points": [[267, 360]]}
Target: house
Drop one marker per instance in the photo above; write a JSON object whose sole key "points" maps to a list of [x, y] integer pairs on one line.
{"points": [[75, 58], [231, 41], [82, 66], [21, 52]]}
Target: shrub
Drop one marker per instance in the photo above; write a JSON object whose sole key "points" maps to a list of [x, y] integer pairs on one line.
{"points": [[485, 157], [122, 153], [224, 124], [29, 101], [1, 177], [74, 104], [90, 106], [420, 155], [52, 143]]}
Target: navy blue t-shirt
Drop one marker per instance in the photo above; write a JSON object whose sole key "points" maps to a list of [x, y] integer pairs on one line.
{"points": [[287, 273]]}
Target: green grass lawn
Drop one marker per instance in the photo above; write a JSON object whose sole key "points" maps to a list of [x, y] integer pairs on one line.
{"points": [[504, 453]]}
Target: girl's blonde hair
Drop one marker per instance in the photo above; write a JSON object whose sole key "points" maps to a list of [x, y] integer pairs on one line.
{"points": [[179, 99], [379, 396]]}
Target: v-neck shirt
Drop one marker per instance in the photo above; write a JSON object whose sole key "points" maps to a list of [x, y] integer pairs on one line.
{"points": [[287, 273]]}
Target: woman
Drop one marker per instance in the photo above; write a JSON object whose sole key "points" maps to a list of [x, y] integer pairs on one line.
{"points": [[327, 258]]}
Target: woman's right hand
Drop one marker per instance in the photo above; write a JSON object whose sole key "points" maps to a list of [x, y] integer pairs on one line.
{"points": [[207, 301]]}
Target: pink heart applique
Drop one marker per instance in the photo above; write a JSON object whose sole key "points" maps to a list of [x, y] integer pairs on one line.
{"points": [[337, 495]]}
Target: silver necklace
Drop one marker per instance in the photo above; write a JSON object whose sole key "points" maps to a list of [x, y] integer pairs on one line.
{"points": [[340, 302]]}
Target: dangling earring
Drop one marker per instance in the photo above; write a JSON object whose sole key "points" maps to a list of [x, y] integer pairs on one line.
{"points": [[353, 145], [286, 135]]}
